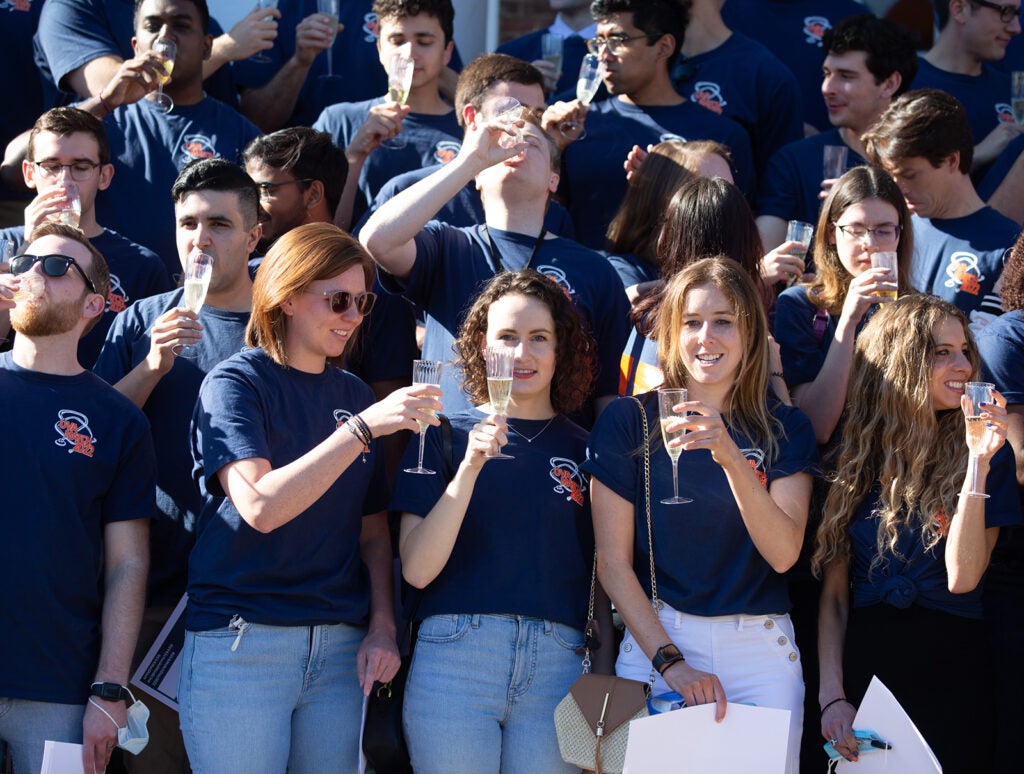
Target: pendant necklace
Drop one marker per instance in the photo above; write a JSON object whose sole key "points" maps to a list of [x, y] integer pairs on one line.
{"points": [[525, 437]]}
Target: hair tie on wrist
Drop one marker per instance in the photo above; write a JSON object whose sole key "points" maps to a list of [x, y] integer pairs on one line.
{"points": [[777, 374], [835, 701], [105, 105]]}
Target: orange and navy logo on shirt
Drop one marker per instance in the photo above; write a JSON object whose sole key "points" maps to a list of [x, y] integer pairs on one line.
{"points": [[197, 146], [117, 299], [73, 432], [755, 458], [708, 94], [1004, 112], [341, 416], [371, 28], [670, 137], [814, 29], [569, 479], [944, 522], [446, 150], [964, 274], [557, 276], [16, 5]]}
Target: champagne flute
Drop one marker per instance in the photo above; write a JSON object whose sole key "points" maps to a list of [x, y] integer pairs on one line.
{"points": [[329, 8], [977, 393], [668, 398], [551, 49], [500, 362], [587, 84], [268, 5], [399, 82], [424, 372], [166, 49], [198, 270]]}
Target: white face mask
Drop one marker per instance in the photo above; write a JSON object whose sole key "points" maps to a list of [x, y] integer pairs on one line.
{"points": [[134, 736]]}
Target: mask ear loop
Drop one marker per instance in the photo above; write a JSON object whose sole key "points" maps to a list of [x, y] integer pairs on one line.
{"points": [[97, 706]]}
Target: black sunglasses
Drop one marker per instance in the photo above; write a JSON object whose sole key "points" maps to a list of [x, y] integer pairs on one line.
{"points": [[55, 265], [341, 300]]}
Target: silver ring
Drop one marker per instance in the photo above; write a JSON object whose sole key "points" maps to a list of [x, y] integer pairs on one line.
{"points": [[833, 742]]}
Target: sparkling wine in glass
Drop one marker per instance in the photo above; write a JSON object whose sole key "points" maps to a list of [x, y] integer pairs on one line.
{"points": [[71, 213], [329, 8], [668, 398], [551, 49], [977, 393], [399, 82], [500, 362], [262, 58], [589, 80], [166, 49], [198, 271], [424, 372]]}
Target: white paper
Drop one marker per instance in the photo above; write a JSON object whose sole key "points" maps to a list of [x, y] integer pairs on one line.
{"points": [[881, 712], [157, 675], [62, 758], [689, 739]]}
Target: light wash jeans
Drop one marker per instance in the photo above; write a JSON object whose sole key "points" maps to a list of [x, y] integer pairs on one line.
{"points": [[755, 658], [286, 699], [26, 725], [482, 693]]}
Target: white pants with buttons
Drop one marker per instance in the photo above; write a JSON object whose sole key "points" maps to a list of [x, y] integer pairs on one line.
{"points": [[755, 658]]}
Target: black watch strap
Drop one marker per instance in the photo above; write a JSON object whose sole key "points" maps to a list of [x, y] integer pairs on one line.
{"points": [[109, 691], [666, 656]]}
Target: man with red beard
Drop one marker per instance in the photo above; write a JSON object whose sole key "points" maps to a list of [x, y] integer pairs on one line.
{"points": [[79, 492]]}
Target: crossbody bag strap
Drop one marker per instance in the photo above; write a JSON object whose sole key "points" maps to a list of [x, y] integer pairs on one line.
{"points": [[647, 508]]}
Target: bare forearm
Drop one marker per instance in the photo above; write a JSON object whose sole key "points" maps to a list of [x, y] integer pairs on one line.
{"points": [[832, 617], [620, 582], [271, 106], [823, 399], [967, 545], [122, 617], [347, 201], [138, 384], [777, 534], [375, 550]]}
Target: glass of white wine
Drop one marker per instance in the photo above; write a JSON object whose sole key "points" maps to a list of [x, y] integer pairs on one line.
{"points": [[551, 51], [329, 8], [587, 84], [668, 399], [166, 49], [198, 270], [399, 82], [500, 362], [267, 5], [977, 393], [424, 372]]}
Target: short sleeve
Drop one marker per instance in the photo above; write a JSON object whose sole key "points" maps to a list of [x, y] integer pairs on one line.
{"points": [[798, 448], [802, 352], [615, 448]]}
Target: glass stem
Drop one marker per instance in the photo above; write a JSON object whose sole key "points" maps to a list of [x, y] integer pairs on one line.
{"points": [[973, 465], [675, 479], [423, 438]]}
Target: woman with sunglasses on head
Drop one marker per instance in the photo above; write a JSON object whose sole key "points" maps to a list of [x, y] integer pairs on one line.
{"points": [[502, 548], [815, 324], [906, 539], [289, 618], [722, 628]]}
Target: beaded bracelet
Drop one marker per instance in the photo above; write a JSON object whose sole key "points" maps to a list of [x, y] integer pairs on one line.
{"points": [[363, 427]]}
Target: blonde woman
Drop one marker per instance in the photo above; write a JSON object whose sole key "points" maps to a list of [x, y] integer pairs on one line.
{"points": [[902, 531]]}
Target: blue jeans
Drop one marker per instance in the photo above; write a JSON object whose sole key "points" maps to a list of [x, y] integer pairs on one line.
{"points": [[482, 693], [286, 699], [26, 725]]}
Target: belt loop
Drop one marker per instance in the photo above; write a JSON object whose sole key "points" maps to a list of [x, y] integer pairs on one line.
{"points": [[739, 622], [548, 626], [679, 619], [475, 621]]}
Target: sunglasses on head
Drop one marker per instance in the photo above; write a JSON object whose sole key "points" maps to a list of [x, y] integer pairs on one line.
{"points": [[341, 300], [52, 265]]}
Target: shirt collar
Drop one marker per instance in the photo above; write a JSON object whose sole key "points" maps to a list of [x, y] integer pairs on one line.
{"points": [[563, 30]]}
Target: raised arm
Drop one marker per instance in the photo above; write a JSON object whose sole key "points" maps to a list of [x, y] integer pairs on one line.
{"points": [[174, 329]]}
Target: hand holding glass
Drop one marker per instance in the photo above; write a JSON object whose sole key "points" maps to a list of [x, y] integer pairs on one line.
{"points": [[424, 372], [267, 5], [551, 47], [198, 270], [506, 112], [71, 212], [399, 82], [500, 362], [166, 49], [887, 260], [668, 399], [977, 393], [329, 8], [798, 231]]}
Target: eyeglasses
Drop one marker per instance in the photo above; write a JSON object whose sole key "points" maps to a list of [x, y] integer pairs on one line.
{"points": [[341, 300], [1006, 12], [80, 170], [616, 44], [882, 233], [267, 189], [52, 266]]}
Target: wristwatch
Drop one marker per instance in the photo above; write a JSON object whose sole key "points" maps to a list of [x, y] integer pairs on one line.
{"points": [[109, 691], [666, 656]]}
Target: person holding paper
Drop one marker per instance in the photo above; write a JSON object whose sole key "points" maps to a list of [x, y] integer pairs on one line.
{"points": [[910, 530], [746, 459]]}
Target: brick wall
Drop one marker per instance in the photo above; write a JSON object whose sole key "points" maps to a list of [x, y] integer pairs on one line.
{"points": [[521, 16]]}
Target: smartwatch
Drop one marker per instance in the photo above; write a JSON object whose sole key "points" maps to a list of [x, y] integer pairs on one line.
{"points": [[109, 691], [666, 656]]}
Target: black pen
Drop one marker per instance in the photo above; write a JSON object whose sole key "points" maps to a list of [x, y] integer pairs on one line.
{"points": [[880, 745]]}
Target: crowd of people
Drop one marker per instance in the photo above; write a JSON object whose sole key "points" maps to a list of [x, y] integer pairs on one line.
{"points": [[807, 509]]}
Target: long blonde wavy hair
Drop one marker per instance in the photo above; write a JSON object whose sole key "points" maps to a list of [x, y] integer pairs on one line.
{"points": [[893, 436]]}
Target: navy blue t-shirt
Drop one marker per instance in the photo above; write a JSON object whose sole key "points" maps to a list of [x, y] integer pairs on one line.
{"points": [[594, 181], [74, 32], [169, 409], [790, 188], [985, 97], [961, 259], [454, 264], [792, 30], [705, 561], [633, 270], [357, 72], [135, 272], [744, 81], [83, 459], [23, 89], [149, 149], [524, 554], [429, 140], [1000, 168], [308, 571], [919, 576], [1001, 345]]}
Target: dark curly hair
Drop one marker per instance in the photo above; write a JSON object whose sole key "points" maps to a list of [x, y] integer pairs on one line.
{"points": [[442, 10], [1012, 292], [575, 361]]}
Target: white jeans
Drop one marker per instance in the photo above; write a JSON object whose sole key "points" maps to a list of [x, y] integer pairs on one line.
{"points": [[755, 657]]}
